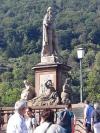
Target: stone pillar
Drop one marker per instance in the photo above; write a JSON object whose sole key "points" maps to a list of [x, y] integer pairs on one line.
{"points": [[45, 72]]}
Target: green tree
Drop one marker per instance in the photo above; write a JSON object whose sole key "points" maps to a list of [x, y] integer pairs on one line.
{"points": [[93, 82], [8, 94], [7, 76]]}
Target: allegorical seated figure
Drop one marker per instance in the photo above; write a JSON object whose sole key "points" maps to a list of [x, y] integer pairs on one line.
{"points": [[49, 97], [28, 92]]}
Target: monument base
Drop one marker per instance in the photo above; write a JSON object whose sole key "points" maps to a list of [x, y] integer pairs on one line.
{"points": [[49, 59], [45, 72]]}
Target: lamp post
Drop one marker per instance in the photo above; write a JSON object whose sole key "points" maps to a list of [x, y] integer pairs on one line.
{"points": [[80, 55]]}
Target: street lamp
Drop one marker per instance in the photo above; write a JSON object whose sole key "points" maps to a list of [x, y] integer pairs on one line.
{"points": [[80, 55]]}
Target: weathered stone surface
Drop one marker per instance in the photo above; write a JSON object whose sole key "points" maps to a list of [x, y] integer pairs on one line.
{"points": [[49, 97], [65, 94], [49, 59], [49, 44], [29, 92]]}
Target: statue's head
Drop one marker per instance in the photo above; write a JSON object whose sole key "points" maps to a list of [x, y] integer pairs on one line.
{"points": [[26, 82], [67, 80], [49, 9], [48, 84]]}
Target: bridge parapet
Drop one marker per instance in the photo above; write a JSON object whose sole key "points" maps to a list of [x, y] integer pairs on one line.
{"points": [[77, 109]]}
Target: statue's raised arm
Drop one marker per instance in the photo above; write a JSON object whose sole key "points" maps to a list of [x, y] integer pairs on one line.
{"points": [[49, 44]]}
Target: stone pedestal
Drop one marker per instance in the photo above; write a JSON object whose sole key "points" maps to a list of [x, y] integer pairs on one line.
{"points": [[49, 59], [45, 72]]}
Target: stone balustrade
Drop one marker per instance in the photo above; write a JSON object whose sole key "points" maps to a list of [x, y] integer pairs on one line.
{"points": [[77, 109]]}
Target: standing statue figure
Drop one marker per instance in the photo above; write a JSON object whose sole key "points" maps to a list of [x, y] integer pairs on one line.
{"points": [[50, 45]]}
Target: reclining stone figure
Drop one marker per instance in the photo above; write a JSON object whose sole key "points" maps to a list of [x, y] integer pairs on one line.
{"points": [[49, 97]]}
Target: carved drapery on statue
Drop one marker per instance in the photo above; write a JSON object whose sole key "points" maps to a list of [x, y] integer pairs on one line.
{"points": [[49, 44], [28, 92]]}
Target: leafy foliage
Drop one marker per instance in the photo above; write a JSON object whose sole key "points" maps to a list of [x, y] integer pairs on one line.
{"points": [[94, 80], [77, 24]]}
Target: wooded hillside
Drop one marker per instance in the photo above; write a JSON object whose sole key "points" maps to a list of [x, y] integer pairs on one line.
{"points": [[77, 24]]}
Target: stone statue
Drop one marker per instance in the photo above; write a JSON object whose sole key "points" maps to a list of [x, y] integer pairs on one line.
{"points": [[28, 92], [50, 45], [49, 97], [65, 95]]}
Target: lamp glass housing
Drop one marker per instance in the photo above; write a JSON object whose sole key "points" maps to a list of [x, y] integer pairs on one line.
{"points": [[80, 53]]}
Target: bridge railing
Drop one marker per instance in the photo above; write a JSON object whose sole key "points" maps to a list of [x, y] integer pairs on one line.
{"points": [[6, 112]]}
